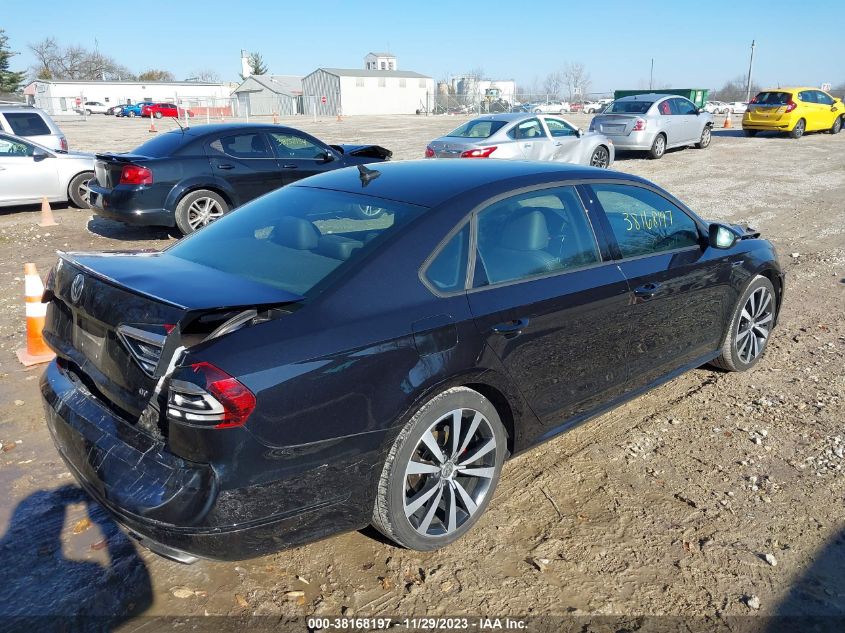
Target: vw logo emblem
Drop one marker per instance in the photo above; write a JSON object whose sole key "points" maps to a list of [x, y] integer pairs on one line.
{"points": [[76, 288]]}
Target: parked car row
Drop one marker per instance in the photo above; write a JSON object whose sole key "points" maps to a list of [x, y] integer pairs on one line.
{"points": [[157, 110]]}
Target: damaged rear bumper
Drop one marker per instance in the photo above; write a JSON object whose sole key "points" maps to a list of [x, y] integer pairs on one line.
{"points": [[171, 505]]}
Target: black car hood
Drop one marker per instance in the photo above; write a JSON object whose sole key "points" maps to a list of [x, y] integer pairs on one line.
{"points": [[177, 281], [366, 151]]}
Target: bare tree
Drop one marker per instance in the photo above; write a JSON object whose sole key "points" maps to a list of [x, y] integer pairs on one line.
{"points": [[577, 79], [206, 74], [74, 62], [734, 90], [553, 83], [155, 74]]}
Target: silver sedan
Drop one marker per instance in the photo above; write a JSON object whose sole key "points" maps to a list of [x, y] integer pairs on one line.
{"points": [[654, 123], [524, 136], [30, 172]]}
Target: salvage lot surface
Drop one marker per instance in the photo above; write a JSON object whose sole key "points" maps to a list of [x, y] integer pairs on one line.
{"points": [[667, 505]]}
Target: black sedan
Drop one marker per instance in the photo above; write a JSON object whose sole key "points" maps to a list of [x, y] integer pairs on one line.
{"points": [[314, 371], [190, 177]]}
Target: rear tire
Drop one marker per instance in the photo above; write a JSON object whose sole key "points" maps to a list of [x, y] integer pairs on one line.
{"points": [[77, 195], [799, 129], [199, 208], [132, 114], [158, 115], [837, 126], [658, 148], [706, 137], [600, 158], [407, 508], [750, 327]]}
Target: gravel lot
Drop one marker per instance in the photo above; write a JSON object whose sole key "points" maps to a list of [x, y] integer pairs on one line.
{"points": [[716, 495]]}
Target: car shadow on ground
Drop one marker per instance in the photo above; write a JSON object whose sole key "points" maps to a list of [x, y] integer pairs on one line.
{"points": [[120, 231], [44, 590], [816, 600]]}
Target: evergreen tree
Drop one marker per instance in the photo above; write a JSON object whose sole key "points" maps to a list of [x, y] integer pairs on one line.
{"points": [[256, 64], [9, 81]]}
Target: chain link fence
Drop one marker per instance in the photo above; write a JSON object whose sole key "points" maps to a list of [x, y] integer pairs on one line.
{"points": [[518, 102]]}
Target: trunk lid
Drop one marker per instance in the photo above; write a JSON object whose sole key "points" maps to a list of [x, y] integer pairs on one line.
{"points": [[452, 147], [108, 167], [615, 124], [119, 317]]}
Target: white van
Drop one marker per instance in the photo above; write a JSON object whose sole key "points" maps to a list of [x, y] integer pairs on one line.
{"points": [[32, 123]]}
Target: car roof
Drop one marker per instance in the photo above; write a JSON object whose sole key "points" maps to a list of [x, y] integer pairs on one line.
{"points": [[11, 107], [214, 128], [650, 96], [431, 182], [790, 89]]}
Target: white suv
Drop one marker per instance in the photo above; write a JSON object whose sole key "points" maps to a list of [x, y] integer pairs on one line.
{"points": [[93, 107], [552, 107], [33, 124]]}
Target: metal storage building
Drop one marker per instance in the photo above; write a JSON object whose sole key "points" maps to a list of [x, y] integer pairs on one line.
{"points": [[353, 91], [269, 94]]}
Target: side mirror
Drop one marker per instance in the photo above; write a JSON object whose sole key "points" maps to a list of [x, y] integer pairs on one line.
{"points": [[39, 154], [327, 156], [722, 236], [579, 132]]}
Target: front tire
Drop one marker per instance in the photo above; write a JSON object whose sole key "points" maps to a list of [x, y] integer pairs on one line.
{"points": [[658, 147], [131, 114], [441, 472], [837, 126], [199, 208], [750, 328], [799, 129], [750, 133], [706, 136], [77, 192]]}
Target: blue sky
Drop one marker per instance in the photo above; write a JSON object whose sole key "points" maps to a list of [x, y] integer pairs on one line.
{"points": [[694, 44]]}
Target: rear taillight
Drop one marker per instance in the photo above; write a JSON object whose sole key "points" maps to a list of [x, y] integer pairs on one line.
{"points": [[63, 142], [429, 153], [754, 100], [204, 395], [791, 105], [135, 175], [639, 126], [483, 152]]}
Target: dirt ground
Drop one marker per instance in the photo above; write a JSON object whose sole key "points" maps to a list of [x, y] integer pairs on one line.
{"points": [[714, 496]]}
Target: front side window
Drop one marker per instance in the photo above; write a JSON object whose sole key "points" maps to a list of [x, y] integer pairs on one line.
{"points": [[447, 271], [249, 145], [559, 128], [643, 222], [287, 145], [27, 124], [12, 147], [533, 233], [296, 238], [684, 106], [823, 98]]}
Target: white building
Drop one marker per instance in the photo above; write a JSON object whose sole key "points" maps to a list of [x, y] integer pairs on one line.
{"points": [[380, 61], [270, 94], [60, 97], [352, 91]]}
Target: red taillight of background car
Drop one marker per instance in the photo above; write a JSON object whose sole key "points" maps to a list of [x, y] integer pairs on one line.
{"points": [[237, 401], [135, 175], [639, 126], [429, 153], [63, 143], [791, 105], [483, 152]]}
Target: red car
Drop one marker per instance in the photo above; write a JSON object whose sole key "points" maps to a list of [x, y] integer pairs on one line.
{"points": [[159, 110]]}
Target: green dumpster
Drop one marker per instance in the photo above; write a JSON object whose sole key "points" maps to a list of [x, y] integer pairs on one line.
{"points": [[697, 95]]}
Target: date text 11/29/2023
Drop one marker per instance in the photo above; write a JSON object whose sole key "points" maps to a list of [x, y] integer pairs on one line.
{"points": [[421, 623]]}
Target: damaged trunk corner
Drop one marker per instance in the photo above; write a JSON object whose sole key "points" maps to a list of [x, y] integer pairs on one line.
{"points": [[364, 151]]}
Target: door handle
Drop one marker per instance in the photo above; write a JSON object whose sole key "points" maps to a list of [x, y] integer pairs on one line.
{"points": [[527, 145], [291, 166], [225, 166], [511, 329], [647, 291]]}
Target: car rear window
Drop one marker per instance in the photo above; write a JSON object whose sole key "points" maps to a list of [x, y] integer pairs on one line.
{"points": [[297, 238], [629, 107], [477, 129], [772, 98], [163, 145], [27, 124]]}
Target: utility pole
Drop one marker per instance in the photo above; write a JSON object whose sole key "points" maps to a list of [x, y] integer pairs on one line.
{"points": [[750, 66], [651, 75]]}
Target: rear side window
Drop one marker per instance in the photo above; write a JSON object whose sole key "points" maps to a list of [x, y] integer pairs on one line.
{"points": [[162, 145], [808, 96], [643, 222], [477, 129], [248, 145], [534, 233], [447, 271], [27, 124], [773, 98]]}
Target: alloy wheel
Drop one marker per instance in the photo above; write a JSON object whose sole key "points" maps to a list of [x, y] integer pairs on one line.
{"points": [[85, 194], [449, 472], [203, 211], [659, 146], [600, 158], [755, 324], [705, 136]]}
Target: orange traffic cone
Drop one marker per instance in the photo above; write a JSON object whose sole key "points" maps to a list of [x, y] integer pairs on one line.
{"points": [[727, 122], [36, 349], [46, 214], [275, 118], [152, 124]]}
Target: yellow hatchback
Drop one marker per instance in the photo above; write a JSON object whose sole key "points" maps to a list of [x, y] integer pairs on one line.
{"points": [[794, 110]]}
